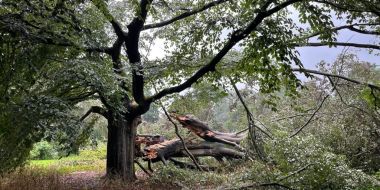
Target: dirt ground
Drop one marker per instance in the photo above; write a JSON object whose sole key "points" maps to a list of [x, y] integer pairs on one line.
{"points": [[96, 180]]}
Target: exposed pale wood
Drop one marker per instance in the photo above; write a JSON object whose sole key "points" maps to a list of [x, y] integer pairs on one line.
{"points": [[214, 144]]}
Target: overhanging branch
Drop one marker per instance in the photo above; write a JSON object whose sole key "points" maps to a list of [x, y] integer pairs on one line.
{"points": [[183, 15], [372, 86], [363, 31], [95, 109], [357, 45], [236, 37], [349, 27]]}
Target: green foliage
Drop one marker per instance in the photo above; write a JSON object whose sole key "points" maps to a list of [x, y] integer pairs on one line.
{"points": [[199, 101], [325, 169], [372, 97], [98, 153], [43, 151], [86, 160], [152, 115], [171, 174]]}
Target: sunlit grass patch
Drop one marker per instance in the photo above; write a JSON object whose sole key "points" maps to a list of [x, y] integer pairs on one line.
{"points": [[43, 163]]}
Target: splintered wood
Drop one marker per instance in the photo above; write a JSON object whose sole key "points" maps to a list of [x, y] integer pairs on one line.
{"points": [[215, 144]]}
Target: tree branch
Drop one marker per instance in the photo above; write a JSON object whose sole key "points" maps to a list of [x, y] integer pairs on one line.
{"points": [[336, 76], [318, 44], [191, 156], [342, 7], [350, 27], [102, 6], [252, 127], [95, 109], [132, 45], [182, 141], [310, 118], [184, 15], [236, 37]]}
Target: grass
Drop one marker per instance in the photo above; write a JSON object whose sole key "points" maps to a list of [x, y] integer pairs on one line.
{"points": [[87, 160], [42, 163], [69, 165]]}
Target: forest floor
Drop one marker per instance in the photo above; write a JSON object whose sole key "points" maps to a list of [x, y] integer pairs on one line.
{"points": [[96, 180], [87, 171], [76, 181]]}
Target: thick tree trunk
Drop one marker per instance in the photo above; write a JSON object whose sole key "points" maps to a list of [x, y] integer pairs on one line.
{"points": [[121, 147]]}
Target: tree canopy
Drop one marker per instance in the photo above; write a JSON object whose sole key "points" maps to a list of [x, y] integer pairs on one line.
{"points": [[55, 54]]}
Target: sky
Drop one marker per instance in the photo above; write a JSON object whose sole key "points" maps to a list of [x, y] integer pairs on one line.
{"points": [[311, 56]]}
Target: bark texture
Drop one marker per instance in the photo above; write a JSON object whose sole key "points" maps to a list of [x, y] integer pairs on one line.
{"points": [[121, 147]]}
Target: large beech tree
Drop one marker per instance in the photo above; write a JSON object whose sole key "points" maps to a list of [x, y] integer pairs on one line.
{"points": [[101, 49]]}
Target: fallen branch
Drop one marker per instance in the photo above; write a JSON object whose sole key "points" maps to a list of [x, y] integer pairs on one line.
{"points": [[182, 141], [251, 126], [174, 148], [142, 168], [310, 118], [203, 131]]}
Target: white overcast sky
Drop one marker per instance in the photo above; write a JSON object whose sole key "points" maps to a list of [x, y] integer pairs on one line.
{"points": [[310, 56]]}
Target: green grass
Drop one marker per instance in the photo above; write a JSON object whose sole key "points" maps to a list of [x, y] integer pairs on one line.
{"points": [[87, 160], [42, 163]]}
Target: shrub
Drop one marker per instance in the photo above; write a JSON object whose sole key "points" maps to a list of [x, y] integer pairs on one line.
{"points": [[93, 154], [171, 174], [43, 151], [324, 169]]}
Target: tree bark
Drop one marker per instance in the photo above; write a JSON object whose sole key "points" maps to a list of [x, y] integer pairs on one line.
{"points": [[121, 147]]}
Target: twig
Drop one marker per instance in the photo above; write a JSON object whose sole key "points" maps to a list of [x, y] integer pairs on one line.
{"points": [[276, 182], [294, 173], [242, 131], [179, 136], [142, 168], [372, 86], [251, 126], [310, 118]]}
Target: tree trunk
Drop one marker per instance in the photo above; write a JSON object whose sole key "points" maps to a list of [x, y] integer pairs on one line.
{"points": [[121, 147]]}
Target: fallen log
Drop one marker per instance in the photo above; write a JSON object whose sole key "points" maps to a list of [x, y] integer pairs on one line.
{"points": [[205, 132], [173, 148], [216, 144]]}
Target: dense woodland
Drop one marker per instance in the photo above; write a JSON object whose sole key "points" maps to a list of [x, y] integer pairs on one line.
{"points": [[188, 94]]}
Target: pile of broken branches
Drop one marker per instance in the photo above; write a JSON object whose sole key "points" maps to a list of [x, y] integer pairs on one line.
{"points": [[219, 145]]}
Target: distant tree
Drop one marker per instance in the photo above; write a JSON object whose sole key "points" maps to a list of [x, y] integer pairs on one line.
{"points": [[98, 50], [153, 115]]}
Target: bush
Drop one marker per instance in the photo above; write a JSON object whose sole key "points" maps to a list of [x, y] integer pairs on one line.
{"points": [[170, 174], [325, 170], [94, 154], [43, 151]]}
